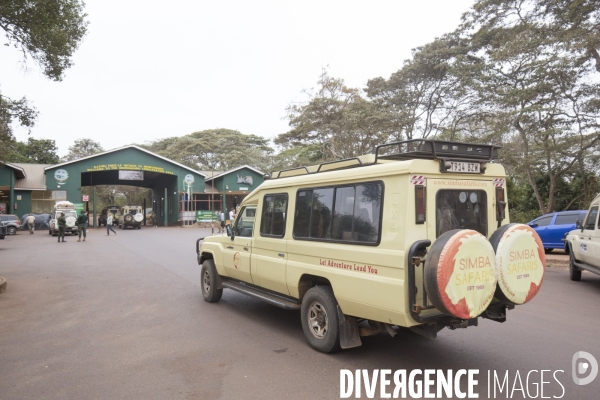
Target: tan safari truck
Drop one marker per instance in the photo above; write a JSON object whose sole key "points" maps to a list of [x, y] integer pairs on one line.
{"points": [[414, 236], [584, 243]]}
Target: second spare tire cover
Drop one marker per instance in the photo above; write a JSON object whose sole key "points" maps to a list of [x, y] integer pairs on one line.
{"points": [[460, 273], [70, 221], [138, 217], [520, 263]]}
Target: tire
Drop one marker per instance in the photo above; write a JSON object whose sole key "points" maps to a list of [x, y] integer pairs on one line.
{"points": [[320, 321], [49, 231], [548, 251], [208, 282], [574, 272], [11, 230], [567, 249]]}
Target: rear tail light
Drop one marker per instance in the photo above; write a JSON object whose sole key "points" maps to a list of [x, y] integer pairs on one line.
{"points": [[420, 204]]}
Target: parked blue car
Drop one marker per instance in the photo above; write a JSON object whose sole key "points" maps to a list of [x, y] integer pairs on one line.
{"points": [[552, 227]]}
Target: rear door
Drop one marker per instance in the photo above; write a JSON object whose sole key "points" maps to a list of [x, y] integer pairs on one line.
{"points": [[564, 222], [269, 259]]}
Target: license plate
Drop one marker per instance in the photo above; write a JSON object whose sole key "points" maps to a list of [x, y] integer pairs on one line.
{"points": [[465, 167]]}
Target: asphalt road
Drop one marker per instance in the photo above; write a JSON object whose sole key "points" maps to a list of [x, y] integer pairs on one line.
{"points": [[123, 317]]}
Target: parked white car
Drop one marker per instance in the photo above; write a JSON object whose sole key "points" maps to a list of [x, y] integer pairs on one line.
{"points": [[584, 243]]}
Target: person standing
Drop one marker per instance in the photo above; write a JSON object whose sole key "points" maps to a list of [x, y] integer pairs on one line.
{"points": [[231, 217], [81, 225], [153, 216], [221, 221], [30, 223], [109, 224], [62, 223]]}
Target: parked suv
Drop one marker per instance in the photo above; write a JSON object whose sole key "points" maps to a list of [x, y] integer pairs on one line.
{"points": [[102, 218], [584, 243], [12, 223], [416, 235], [552, 228], [131, 216]]}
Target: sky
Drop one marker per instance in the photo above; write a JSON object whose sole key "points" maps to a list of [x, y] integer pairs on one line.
{"points": [[151, 69]]}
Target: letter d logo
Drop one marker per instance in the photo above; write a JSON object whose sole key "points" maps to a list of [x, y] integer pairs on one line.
{"points": [[582, 367]]}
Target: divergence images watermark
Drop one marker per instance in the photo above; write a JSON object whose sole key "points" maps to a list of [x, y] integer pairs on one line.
{"points": [[436, 384]]}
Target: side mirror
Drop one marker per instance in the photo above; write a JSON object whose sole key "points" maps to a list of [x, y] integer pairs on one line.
{"points": [[533, 225], [579, 224], [228, 230]]}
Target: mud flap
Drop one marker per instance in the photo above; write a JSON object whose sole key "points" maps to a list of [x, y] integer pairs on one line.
{"points": [[349, 336]]}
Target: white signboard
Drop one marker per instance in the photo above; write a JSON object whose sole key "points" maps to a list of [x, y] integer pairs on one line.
{"points": [[126, 175]]}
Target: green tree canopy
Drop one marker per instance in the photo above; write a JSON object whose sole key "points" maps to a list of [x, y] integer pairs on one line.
{"points": [[35, 151], [215, 149], [83, 148], [46, 31]]}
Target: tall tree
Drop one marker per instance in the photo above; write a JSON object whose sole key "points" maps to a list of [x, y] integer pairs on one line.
{"points": [[83, 148], [543, 97], [215, 149], [336, 119], [34, 151], [46, 31]]}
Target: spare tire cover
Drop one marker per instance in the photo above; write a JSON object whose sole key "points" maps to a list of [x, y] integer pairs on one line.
{"points": [[520, 263], [460, 273], [70, 220], [138, 217], [128, 217]]}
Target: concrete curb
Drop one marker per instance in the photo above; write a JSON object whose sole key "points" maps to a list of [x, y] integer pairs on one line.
{"points": [[2, 284]]}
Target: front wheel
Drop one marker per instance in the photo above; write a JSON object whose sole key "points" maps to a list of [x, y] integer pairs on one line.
{"points": [[11, 230], [548, 250], [320, 321], [208, 282], [574, 271]]}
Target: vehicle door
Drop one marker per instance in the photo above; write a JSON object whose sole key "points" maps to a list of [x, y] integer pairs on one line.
{"points": [[269, 259], [542, 227], [564, 222], [237, 252], [585, 244]]}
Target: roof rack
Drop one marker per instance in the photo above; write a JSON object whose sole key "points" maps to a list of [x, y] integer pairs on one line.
{"points": [[438, 150], [446, 152]]}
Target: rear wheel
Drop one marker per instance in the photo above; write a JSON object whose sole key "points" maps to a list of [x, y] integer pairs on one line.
{"points": [[11, 230], [574, 271], [320, 321], [208, 282]]}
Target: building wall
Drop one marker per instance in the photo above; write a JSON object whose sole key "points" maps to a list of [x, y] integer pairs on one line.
{"points": [[23, 205]]}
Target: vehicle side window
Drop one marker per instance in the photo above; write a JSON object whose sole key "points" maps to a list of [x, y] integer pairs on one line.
{"points": [[347, 213], [590, 221], [244, 224], [273, 215], [566, 219], [544, 221]]}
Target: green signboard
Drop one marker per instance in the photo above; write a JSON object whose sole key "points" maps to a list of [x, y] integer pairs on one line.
{"points": [[79, 207], [206, 215]]}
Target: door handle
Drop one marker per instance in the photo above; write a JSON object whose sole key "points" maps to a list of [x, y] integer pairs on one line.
{"points": [[230, 247], [281, 254], [245, 248]]}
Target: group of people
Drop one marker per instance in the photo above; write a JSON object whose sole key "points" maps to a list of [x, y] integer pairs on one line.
{"points": [[221, 219], [61, 221]]}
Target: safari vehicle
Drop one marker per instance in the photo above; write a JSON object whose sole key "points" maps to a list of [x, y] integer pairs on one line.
{"points": [[131, 216], [415, 236], [114, 210], [584, 243], [68, 209]]}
